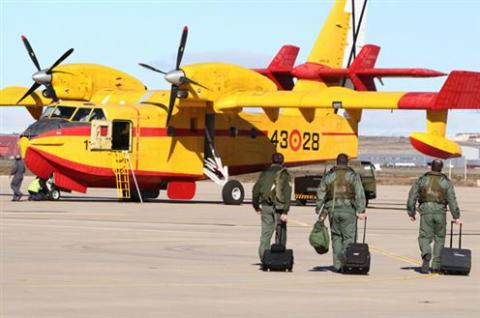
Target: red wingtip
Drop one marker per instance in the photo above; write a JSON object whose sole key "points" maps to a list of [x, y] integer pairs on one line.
{"points": [[185, 29], [24, 37]]}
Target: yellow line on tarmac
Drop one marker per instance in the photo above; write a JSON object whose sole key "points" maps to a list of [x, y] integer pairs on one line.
{"points": [[395, 256], [299, 223]]}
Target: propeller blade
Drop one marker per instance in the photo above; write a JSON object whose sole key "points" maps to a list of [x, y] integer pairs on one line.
{"points": [[151, 68], [181, 47], [171, 104], [30, 52], [190, 81], [30, 91], [60, 60], [51, 92]]}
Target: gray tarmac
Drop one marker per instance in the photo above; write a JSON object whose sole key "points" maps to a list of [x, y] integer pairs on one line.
{"points": [[90, 256]]}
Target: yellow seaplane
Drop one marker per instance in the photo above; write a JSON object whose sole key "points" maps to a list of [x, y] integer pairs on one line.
{"points": [[100, 127]]}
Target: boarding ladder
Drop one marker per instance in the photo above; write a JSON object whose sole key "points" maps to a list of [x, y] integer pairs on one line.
{"points": [[121, 170]]}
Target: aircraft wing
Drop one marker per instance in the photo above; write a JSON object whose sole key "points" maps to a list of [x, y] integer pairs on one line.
{"points": [[460, 91], [9, 96]]}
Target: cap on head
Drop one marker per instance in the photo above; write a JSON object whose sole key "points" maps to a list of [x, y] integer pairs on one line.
{"points": [[277, 158], [437, 165], [18, 157], [342, 159]]}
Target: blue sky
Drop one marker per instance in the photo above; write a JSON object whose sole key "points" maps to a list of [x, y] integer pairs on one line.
{"points": [[441, 35]]}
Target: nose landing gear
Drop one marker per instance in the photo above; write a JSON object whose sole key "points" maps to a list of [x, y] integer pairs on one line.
{"points": [[233, 193], [54, 194]]}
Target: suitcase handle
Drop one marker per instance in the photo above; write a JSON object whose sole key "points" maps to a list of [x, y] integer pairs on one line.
{"points": [[278, 231], [459, 236], [364, 230]]}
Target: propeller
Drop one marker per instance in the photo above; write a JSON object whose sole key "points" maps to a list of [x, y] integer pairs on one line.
{"points": [[177, 76], [42, 76]]}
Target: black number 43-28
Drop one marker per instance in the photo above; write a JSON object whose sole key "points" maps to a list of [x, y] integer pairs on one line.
{"points": [[296, 140]]}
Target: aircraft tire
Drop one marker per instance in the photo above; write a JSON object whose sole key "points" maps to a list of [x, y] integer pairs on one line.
{"points": [[55, 194], [233, 193]]}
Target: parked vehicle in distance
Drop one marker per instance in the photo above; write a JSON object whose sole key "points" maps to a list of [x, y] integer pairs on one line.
{"points": [[306, 186]]}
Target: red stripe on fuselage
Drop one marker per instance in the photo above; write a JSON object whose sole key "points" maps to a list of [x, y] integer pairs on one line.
{"points": [[150, 132], [162, 132]]}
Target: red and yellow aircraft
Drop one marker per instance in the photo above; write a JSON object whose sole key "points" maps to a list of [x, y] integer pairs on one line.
{"points": [[92, 116]]}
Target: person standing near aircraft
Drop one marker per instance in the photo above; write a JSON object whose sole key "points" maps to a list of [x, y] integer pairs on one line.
{"points": [[341, 196], [18, 170], [271, 200], [433, 191]]}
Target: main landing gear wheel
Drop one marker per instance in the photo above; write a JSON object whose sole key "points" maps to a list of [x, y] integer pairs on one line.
{"points": [[233, 193], [55, 194]]}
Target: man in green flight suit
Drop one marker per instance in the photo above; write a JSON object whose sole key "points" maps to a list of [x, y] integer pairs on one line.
{"points": [[341, 195], [433, 191], [271, 200]]}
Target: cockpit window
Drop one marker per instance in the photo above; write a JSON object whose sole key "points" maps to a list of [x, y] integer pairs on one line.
{"points": [[47, 112], [97, 114], [63, 112], [82, 114]]}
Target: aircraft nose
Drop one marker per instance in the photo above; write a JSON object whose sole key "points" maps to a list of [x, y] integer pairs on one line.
{"points": [[42, 126]]}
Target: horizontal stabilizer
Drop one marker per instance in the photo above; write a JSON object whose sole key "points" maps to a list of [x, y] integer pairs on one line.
{"points": [[399, 72], [460, 91]]}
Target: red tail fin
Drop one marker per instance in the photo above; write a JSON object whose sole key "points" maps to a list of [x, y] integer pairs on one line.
{"points": [[279, 70], [284, 60], [367, 58]]}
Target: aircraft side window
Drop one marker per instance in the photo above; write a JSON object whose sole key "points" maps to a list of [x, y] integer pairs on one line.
{"points": [[64, 112], [121, 135], [82, 114], [98, 114], [48, 111]]}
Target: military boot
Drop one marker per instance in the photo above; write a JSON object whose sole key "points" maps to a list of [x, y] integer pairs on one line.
{"points": [[426, 263]]}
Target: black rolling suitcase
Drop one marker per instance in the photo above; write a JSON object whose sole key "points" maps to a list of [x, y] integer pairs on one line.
{"points": [[357, 256], [278, 258], [455, 261]]}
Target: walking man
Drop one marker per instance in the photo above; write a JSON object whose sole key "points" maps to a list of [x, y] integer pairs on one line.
{"points": [[271, 200], [341, 196], [433, 191]]}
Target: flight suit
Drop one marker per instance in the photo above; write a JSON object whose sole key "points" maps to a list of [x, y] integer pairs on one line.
{"points": [[272, 193], [433, 191], [18, 170], [341, 195]]}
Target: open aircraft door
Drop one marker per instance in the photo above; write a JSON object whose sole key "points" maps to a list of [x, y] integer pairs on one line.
{"points": [[101, 135]]}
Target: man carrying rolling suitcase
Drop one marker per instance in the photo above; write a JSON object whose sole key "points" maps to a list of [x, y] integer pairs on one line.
{"points": [[271, 200], [433, 191], [341, 195]]}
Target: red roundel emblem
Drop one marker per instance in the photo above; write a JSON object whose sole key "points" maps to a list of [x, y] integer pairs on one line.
{"points": [[295, 140]]}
